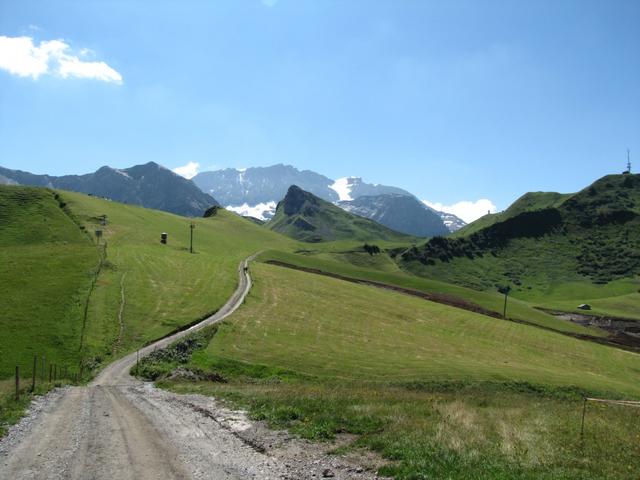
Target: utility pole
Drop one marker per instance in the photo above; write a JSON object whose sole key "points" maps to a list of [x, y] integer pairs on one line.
{"points": [[628, 160], [506, 291], [192, 226]]}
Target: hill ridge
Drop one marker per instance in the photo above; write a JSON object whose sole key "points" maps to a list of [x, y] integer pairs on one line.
{"points": [[304, 216], [150, 185]]}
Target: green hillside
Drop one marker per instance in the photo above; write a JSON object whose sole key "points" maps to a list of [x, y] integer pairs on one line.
{"points": [[529, 202], [143, 289], [46, 266], [303, 216], [325, 327], [438, 391], [544, 241], [381, 268]]}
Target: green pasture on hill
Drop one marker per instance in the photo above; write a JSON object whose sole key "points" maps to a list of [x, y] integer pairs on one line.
{"points": [[46, 267], [438, 392], [144, 290], [380, 268], [325, 327], [147, 289]]}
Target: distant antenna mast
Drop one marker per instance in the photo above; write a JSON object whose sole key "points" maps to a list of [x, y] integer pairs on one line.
{"points": [[628, 161]]}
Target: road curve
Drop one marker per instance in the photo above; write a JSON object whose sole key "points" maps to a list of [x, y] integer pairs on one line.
{"points": [[118, 427], [118, 372]]}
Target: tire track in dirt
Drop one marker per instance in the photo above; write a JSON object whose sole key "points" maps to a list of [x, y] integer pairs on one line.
{"points": [[118, 343]]}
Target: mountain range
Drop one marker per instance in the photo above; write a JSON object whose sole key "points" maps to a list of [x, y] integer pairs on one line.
{"points": [[149, 185], [253, 192], [256, 192]]}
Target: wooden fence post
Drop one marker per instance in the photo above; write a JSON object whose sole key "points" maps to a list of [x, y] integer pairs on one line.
{"points": [[584, 411], [17, 383], [33, 379], [50, 372]]}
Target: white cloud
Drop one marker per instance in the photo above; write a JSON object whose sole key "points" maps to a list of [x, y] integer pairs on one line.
{"points": [[466, 210], [262, 211], [20, 56], [189, 170]]}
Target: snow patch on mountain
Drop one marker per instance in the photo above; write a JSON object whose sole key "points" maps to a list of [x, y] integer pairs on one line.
{"points": [[121, 172], [261, 211], [189, 170], [452, 222], [342, 187]]}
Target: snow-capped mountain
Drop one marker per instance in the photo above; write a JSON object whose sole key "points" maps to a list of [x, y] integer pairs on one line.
{"points": [[402, 213], [450, 221], [350, 188], [255, 192]]}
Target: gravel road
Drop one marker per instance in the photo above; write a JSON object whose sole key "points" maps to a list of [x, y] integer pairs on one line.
{"points": [[121, 428]]}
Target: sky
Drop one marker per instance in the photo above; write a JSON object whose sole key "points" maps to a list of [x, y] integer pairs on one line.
{"points": [[466, 104]]}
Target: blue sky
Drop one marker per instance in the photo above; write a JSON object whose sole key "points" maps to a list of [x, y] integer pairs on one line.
{"points": [[452, 100]]}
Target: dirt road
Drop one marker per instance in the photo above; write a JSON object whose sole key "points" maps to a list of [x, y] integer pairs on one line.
{"points": [[122, 428]]}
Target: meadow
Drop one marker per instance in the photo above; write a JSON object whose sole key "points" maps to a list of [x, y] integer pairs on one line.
{"points": [[77, 299], [352, 263], [46, 267], [436, 391], [324, 327], [147, 289]]}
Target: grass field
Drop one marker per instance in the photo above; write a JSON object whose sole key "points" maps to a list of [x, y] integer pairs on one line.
{"points": [[381, 268], [143, 291], [439, 392], [147, 289], [46, 265], [329, 328], [619, 298]]}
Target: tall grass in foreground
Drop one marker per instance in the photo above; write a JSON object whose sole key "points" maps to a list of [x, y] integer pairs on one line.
{"points": [[475, 432], [424, 430]]}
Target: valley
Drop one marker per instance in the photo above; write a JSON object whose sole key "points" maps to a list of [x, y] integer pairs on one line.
{"points": [[391, 345]]}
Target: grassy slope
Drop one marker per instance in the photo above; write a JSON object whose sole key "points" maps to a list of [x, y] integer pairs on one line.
{"points": [[164, 286], [528, 202], [326, 327], [45, 271], [619, 298], [592, 258], [441, 392], [381, 268]]}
